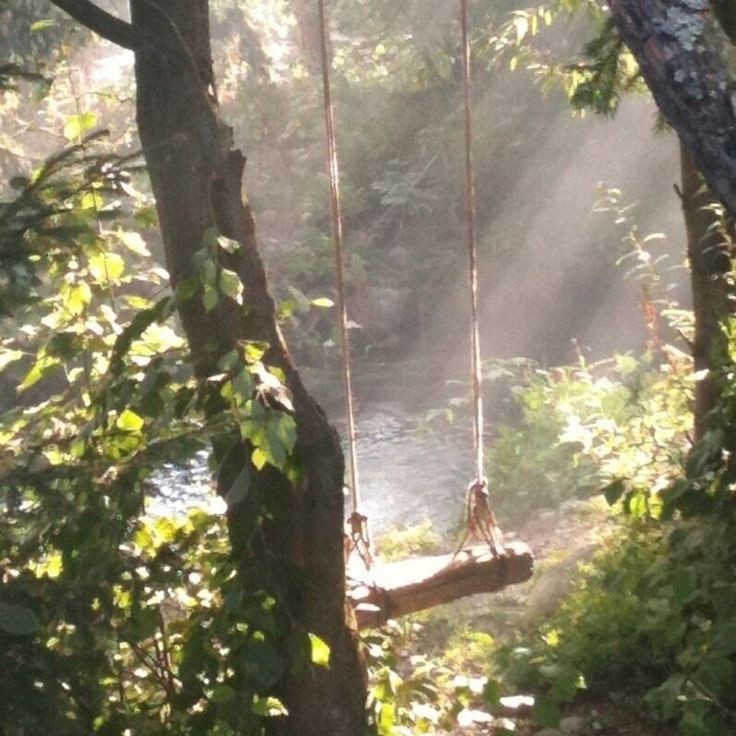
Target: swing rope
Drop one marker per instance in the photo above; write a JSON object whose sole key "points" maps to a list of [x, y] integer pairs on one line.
{"points": [[480, 521], [470, 209], [358, 538]]}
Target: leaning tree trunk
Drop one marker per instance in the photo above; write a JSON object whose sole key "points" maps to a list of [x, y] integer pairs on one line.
{"points": [[685, 57], [685, 51], [709, 254], [196, 178]]}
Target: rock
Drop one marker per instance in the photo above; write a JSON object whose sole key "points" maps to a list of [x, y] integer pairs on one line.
{"points": [[549, 732], [572, 725], [387, 316]]}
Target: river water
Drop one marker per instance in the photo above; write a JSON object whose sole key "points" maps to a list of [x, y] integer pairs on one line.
{"points": [[411, 467]]}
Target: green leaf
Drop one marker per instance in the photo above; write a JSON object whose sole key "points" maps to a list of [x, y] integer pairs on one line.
{"points": [[323, 302], [222, 694], [9, 356], [242, 386], [684, 585], [228, 244], [546, 713], [492, 693], [320, 651], [77, 125], [209, 298], [76, 297], [239, 489], [261, 662], [231, 285], [725, 639], [42, 25], [44, 366], [129, 421], [716, 673], [106, 267], [18, 620], [135, 329], [134, 242], [258, 458]]}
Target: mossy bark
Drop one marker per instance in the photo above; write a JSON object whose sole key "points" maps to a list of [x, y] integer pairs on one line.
{"points": [[686, 57]]}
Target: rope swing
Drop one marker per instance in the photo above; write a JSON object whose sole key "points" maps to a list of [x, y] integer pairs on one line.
{"points": [[480, 521], [395, 589], [358, 538]]}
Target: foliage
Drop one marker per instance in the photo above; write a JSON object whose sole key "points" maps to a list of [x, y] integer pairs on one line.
{"points": [[584, 426], [652, 615], [112, 615], [397, 544], [52, 212]]}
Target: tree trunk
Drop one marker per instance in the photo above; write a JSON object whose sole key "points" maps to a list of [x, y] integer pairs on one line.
{"points": [[308, 34], [709, 254], [196, 178], [685, 57]]}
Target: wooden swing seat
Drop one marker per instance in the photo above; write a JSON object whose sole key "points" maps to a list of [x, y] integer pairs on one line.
{"points": [[394, 589]]}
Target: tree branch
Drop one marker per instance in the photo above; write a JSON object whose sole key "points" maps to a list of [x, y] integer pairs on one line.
{"points": [[683, 53], [101, 22]]}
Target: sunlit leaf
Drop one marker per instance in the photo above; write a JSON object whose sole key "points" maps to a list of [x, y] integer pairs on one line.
{"points": [[92, 201], [270, 707], [129, 421], [77, 125], [320, 651], [106, 267], [76, 297], [43, 367], [231, 285], [42, 25], [9, 356], [133, 241], [259, 458], [228, 244], [323, 302]]}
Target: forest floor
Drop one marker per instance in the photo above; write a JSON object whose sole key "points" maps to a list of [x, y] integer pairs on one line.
{"points": [[562, 540]]}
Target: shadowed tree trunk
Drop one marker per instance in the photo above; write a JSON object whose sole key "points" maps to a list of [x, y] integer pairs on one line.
{"points": [[685, 51], [709, 253], [196, 177]]}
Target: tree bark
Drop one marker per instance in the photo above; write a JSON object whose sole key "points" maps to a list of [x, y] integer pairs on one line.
{"points": [[709, 253], [196, 178], [308, 34], [684, 55], [685, 51]]}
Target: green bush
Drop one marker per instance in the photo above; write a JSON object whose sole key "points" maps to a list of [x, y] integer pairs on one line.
{"points": [[582, 427]]}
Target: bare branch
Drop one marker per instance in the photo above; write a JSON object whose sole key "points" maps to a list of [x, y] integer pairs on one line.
{"points": [[101, 22]]}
